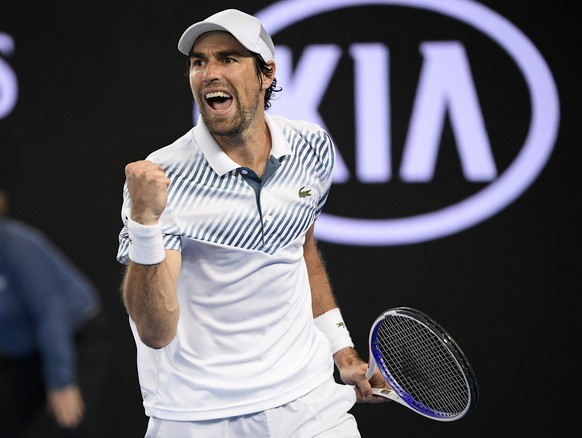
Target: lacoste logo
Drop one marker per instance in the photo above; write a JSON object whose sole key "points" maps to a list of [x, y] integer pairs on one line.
{"points": [[304, 193], [341, 325]]}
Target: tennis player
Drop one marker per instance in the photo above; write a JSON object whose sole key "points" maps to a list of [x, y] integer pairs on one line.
{"points": [[236, 325]]}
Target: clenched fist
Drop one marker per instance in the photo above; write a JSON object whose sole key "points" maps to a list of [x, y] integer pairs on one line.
{"points": [[148, 189]]}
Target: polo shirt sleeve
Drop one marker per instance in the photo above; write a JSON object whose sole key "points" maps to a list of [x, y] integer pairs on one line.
{"points": [[326, 153]]}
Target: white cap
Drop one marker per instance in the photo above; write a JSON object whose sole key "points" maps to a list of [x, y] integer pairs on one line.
{"points": [[247, 29]]}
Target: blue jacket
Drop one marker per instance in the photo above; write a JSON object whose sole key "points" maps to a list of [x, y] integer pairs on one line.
{"points": [[44, 299]]}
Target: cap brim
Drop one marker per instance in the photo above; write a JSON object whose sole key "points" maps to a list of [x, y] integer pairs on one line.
{"points": [[191, 34]]}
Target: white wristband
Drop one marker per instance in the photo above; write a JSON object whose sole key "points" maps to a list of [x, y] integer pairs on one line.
{"points": [[332, 325], [146, 243]]}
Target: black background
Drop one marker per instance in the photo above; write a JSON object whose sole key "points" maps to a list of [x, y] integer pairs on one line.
{"points": [[101, 84]]}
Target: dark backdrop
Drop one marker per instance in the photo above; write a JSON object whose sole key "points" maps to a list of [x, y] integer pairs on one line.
{"points": [[101, 83]]}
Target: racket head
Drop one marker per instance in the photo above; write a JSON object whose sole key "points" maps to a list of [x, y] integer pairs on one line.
{"points": [[423, 364]]}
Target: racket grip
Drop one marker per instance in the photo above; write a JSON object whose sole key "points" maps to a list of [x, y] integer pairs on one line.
{"points": [[387, 393]]}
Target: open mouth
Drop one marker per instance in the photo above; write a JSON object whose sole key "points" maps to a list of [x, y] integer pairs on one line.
{"points": [[218, 100]]}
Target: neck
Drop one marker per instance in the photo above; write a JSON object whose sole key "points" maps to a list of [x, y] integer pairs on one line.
{"points": [[250, 149]]}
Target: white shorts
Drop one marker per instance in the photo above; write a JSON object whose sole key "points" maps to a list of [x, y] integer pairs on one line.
{"points": [[322, 413]]}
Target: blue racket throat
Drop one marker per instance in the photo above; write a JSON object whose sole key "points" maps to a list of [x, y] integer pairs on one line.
{"points": [[423, 365]]}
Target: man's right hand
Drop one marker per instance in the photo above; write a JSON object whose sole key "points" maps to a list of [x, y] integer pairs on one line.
{"points": [[148, 189]]}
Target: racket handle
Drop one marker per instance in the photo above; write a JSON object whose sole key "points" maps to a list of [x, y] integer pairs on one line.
{"points": [[387, 393]]}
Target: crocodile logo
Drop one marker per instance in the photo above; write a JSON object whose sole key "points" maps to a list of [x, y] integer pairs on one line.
{"points": [[304, 193]]}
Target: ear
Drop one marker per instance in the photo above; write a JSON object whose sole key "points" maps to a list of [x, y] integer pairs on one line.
{"points": [[268, 79]]}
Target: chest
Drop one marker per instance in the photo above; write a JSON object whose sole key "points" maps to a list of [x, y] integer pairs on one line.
{"points": [[235, 211]]}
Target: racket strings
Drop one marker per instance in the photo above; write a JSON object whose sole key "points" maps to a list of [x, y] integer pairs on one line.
{"points": [[422, 367]]}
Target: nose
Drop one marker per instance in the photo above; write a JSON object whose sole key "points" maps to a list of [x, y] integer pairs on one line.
{"points": [[211, 73]]}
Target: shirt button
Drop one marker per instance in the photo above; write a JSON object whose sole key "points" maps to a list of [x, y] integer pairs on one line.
{"points": [[268, 218], [244, 172]]}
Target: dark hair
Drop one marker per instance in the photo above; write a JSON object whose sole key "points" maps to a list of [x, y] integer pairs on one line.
{"points": [[265, 69]]}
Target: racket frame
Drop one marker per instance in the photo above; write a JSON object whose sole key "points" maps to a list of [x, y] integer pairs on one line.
{"points": [[398, 394]]}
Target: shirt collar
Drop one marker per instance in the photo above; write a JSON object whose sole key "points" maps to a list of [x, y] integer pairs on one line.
{"points": [[280, 146], [222, 163]]}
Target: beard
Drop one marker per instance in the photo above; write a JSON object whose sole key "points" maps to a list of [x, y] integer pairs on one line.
{"points": [[231, 127]]}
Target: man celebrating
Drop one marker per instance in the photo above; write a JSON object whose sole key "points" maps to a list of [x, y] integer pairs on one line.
{"points": [[235, 322]]}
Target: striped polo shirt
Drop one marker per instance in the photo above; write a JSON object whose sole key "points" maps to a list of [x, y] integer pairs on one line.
{"points": [[245, 340]]}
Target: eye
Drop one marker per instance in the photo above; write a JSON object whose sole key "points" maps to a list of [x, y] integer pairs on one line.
{"points": [[195, 62]]}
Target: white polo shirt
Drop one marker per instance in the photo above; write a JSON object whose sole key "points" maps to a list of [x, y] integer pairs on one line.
{"points": [[246, 341]]}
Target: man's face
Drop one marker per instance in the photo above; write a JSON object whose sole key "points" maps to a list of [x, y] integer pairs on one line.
{"points": [[224, 82]]}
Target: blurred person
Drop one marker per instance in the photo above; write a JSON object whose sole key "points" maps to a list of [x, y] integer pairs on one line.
{"points": [[54, 345], [236, 326]]}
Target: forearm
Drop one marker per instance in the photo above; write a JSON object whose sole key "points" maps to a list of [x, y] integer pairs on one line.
{"points": [[149, 295], [150, 283], [322, 298], [326, 314]]}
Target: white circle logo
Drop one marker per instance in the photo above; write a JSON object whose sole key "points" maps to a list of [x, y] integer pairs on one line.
{"points": [[504, 188]]}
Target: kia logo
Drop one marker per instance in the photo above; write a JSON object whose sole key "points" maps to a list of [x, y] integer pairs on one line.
{"points": [[445, 90]]}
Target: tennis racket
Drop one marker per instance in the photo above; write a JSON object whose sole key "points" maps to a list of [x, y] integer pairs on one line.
{"points": [[423, 365]]}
